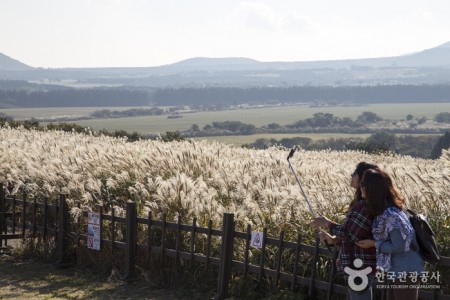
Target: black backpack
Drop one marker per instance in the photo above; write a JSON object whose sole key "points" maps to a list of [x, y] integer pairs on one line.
{"points": [[425, 237]]}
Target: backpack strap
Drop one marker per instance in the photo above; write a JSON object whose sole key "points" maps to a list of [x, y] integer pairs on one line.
{"points": [[410, 214]]}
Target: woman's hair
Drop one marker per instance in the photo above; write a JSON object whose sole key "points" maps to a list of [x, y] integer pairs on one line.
{"points": [[380, 192], [360, 169]]}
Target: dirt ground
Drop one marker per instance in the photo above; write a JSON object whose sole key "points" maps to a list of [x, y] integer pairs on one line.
{"points": [[21, 279]]}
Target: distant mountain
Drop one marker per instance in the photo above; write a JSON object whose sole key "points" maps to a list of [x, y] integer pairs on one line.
{"points": [[430, 66], [212, 64], [446, 45], [206, 61], [9, 64], [437, 56]]}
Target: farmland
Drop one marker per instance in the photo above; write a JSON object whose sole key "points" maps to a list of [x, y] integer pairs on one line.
{"points": [[282, 115], [53, 112], [239, 140]]}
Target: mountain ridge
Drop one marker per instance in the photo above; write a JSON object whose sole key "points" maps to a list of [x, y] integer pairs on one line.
{"points": [[11, 64], [430, 66], [425, 57], [436, 56], [445, 45]]}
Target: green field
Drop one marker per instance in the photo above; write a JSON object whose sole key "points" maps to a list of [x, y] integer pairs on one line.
{"points": [[57, 112], [282, 115], [239, 140]]}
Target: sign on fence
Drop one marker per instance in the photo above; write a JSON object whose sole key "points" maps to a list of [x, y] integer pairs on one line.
{"points": [[257, 239], [93, 235]]}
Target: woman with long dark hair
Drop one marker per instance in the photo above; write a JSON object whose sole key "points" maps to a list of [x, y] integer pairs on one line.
{"points": [[398, 255]]}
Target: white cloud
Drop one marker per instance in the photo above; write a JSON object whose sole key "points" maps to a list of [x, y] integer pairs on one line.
{"points": [[256, 15], [295, 23]]}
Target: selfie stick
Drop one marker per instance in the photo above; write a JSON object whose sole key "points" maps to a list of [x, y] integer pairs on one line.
{"points": [[311, 210]]}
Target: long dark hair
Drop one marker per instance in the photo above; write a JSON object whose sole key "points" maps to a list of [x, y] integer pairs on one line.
{"points": [[360, 169], [380, 192]]}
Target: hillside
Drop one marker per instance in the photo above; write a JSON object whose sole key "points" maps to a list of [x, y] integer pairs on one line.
{"points": [[9, 64], [437, 56]]}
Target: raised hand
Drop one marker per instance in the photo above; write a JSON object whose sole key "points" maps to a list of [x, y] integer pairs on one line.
{"points": [[319, 222]]}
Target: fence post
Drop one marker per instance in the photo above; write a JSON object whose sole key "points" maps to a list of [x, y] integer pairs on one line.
{"points": [[2, 213], [130, 247], [226, 256], [63, 231], [314, 268]]}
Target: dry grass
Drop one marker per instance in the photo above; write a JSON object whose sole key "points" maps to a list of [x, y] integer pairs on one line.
{"points": [[205, 179], [35, 280], [195, 179]]}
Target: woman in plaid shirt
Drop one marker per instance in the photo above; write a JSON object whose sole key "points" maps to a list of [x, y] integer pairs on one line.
{"points": [[356, 226]]}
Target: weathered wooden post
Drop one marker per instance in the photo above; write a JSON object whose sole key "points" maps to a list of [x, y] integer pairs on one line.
{"points": [[226, 256], [314, 268], [24, 214], [100, 212], [63, 232], [2, 214], [130, 247], [297, 255], [334, 256]]}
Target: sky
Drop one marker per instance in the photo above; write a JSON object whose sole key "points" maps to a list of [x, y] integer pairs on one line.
{"points": [[145, 33]]}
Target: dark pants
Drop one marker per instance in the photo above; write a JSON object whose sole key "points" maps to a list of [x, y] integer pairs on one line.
{"points": [[403, 290], [366, 294]]}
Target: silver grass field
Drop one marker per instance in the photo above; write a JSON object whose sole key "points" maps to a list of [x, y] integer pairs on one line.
{"points": [[206, 179]]}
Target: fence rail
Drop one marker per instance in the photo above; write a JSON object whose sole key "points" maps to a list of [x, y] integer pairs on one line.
{"points": [[22, 218]]}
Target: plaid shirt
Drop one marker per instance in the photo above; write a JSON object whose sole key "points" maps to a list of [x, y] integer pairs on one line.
{"points": [[356, 226]]}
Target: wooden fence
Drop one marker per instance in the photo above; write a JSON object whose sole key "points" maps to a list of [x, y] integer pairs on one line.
{"points": [[22, 218]]}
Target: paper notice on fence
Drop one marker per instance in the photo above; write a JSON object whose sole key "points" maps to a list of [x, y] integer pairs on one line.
{"points": [[93, 234], [257, 239]]}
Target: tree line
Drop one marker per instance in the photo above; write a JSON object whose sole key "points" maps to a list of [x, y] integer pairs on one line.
{"points": [[379, 142], [220, 96], [308, 94], [74, 97], [318, 123]]}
